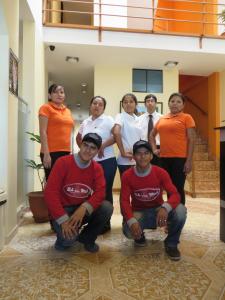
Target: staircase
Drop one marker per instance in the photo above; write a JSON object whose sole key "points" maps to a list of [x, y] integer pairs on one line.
{"points": [[203, 181]]}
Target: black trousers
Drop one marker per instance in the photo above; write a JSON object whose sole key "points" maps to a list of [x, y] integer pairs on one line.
{"points": [[156, 159], [54, 157], [175, 167]]}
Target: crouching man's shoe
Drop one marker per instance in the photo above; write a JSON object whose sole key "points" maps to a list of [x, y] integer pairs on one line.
{"points": [[91, 247], [140, 242], [173, 253]]}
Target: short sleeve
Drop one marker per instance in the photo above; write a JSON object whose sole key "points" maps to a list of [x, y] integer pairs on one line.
{"points": [[44, 111], [111, 122], [119, 120], [189, 121]]}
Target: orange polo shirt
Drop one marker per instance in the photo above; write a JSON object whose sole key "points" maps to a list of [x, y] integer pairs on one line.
{"points": [[60, 126], [172, 130]]}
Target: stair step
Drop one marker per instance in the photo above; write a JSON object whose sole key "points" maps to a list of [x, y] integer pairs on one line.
{"points": [[200, 141], [205, 194], [207, 175], [208, 165], [201, 148], [200, 156], [201, 186]]}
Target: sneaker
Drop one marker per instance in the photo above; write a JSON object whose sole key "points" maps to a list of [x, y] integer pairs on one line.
{"points": [[141, 242], [173, 253], [91, 247], [60, 247]]}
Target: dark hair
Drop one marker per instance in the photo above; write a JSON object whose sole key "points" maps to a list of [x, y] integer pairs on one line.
{"points": [[150, 96], [130, 95], [95, 97], [52, 89], [177, 95]]}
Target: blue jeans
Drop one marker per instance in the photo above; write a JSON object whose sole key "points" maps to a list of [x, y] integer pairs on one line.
{"points": [[93, 225], [147, 220], [109, 167]]}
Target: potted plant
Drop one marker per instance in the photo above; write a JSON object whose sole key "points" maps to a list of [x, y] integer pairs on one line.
{"points": [[222, 18], [36, 199]]}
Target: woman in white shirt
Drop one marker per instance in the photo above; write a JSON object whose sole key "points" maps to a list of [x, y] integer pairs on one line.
{"points": [[126, 132], [101, 124]]}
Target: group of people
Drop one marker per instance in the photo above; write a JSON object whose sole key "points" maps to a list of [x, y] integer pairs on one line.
{"points": [[155, 154]]}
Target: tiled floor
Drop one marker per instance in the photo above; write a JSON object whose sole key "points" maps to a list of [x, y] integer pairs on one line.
{"points": [[31, 269]]}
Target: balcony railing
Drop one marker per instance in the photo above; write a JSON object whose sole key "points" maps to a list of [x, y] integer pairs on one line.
{"points": [[181, 17]]}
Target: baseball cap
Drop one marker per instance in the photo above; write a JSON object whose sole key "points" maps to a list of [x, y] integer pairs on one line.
{"points": [[93, 138], [141, 144]]}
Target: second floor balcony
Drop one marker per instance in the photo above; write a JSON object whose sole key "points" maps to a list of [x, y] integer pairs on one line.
{"points": [[201, 18]]}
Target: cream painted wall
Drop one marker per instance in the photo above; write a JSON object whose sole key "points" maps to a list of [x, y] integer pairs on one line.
{"points": [[222, 98], [12, 23], [112, 82], [32, 89]]}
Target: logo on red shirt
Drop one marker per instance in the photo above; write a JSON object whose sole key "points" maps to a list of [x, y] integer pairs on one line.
{"points": [[77, 190], [148, 194]]}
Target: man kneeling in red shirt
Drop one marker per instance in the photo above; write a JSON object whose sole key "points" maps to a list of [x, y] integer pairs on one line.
{"points": [[75, 194], [142, 204]]}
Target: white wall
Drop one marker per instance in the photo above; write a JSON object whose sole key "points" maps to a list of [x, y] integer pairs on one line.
{"points": [[114, 21]]}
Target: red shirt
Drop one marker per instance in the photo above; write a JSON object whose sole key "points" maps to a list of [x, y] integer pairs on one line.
{"points": [[139, 193], [70, 185]]}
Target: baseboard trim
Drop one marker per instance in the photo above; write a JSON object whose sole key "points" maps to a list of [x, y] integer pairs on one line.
{"points": [[11, 235]]}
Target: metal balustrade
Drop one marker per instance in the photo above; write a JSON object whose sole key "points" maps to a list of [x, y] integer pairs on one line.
{"points": [[176, 17]]}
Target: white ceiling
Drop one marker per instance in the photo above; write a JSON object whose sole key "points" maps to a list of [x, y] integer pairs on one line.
{"points": [[72, 75]]}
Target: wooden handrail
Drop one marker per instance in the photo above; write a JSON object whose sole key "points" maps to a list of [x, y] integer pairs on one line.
{"points": [[203, 21], [196, 105]]}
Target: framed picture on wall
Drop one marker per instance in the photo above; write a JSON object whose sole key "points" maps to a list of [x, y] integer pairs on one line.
{"points": [[141, 109], [13, 73]]}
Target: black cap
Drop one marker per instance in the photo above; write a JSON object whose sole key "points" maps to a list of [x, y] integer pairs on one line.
{"points": [[142, 144], [93, 138]]}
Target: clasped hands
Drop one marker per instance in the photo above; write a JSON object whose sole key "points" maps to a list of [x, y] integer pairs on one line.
{"points": [[70, 228]]}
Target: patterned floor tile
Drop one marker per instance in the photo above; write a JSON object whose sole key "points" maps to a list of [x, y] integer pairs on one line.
{"points": [[32, 270]]}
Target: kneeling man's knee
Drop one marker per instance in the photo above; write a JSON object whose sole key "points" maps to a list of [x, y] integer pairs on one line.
{"points": [[107, 207], [181, 212]]}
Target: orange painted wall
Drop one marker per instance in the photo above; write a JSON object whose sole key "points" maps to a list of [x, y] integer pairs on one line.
{"points": [[204, 91], [196, 89], [196, 15], [214, 113]]}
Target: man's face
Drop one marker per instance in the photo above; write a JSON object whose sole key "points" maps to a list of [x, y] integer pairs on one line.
{"points": [[142, 157], [88, 150], [150, 105]]}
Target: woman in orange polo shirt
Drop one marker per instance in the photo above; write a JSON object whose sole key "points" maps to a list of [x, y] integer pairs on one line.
{"points": [[56, 125], [177, 133]]}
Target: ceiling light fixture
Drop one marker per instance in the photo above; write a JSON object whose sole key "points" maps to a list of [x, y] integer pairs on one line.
{"points": [[171, 64], [72, 59]]}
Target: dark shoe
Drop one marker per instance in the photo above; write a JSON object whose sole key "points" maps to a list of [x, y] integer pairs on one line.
{"points": [[60, 247], [106, 228], [173, 253], [141, 242], [91, 247]]}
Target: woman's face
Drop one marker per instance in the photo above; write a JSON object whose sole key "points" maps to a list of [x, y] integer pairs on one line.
{"points": [[176, 105], [58, 96], [97, 107], [129, 105]]}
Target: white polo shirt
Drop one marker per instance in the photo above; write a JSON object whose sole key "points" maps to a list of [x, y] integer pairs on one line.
{"points": [[130, 133], [102, 126], [143, 123]]}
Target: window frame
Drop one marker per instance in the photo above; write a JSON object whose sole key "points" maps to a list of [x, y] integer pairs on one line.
{"points": [[146, 76]]}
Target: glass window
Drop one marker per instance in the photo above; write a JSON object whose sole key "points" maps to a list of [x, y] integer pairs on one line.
{"points": [[154, 81], [139, 80], [150, 81]]}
